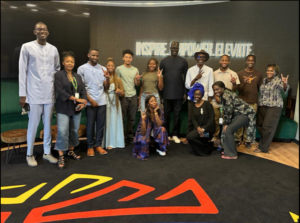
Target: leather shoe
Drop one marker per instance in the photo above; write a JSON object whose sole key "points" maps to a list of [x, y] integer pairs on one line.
{"points": [[101, 150], [90, 152], [185, 141]]}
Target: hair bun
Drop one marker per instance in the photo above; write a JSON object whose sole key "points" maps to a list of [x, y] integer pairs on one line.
{"points": [[109, 58]]}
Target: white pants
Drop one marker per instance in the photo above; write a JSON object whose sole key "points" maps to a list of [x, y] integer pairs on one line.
{"points": [[36, 110]]}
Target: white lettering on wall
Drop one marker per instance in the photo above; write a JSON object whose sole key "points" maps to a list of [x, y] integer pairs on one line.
{"points": [[188, 49]]}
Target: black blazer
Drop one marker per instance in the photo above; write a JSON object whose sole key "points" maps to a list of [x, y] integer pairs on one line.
{"points": [[64, 90]]}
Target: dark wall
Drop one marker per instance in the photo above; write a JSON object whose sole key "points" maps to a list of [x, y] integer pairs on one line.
{"points": [[67, 33], [272, 27]]}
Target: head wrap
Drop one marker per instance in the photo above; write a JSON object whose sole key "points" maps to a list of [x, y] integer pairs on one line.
{"points": [[196, 86]]}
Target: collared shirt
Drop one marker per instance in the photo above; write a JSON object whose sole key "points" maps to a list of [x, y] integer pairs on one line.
{"points": [[93, 78], [127, 75], [225, 77], [37, 66], [270, 93], [206, 80]]}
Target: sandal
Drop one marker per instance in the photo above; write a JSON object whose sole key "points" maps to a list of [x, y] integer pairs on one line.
{"points": [[61, 162], [72, 155], [228, 157]]}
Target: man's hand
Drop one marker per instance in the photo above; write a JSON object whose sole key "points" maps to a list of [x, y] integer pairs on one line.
{"points": [[184, 98], [105, 72], [93, 103], [199, 75], [233, 80], [284, 79], [22, 101], [137, 77], [159, 72], [224, 128]]}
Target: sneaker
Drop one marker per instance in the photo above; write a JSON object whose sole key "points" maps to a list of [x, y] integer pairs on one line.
{"points": [[31, 161], [161, 152], [101, 150], [214, 139], [50, 158], [185, 141], [237, 143], [170, 138], [176, 140], [248, 145]]}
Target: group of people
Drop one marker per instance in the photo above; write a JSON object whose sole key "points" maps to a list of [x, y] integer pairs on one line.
{"points": [[109, 97]]}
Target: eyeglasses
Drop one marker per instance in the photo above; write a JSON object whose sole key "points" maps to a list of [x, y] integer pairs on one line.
{"points": [[39, 30]]}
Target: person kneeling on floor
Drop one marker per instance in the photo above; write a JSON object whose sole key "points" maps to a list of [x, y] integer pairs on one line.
{"points": [[150, 130]]}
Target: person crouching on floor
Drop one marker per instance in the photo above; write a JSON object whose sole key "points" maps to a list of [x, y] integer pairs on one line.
{"points": [[150, 130]]}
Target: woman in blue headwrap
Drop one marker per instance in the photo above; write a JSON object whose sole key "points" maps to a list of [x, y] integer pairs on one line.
{"points": [[203, 118]]}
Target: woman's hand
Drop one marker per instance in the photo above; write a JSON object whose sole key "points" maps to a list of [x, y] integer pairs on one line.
{"points": [[81, 106], [143, 115], [224, 128], [82, 101], [155, 109], [159, 72], [284, 79], [118, 91], [217, 99]]}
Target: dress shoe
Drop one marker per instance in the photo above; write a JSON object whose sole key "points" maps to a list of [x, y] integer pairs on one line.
{"points": [[90, 152], [101, 150]]}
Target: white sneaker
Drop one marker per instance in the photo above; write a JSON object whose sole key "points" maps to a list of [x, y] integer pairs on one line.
{"points": [[161, 152], [176, 140], [170, 138], [31, 161], [50, 158]]}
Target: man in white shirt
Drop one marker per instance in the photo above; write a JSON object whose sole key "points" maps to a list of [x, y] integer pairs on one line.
{"points": [[38, 63], [231, 81], [200, 73]]}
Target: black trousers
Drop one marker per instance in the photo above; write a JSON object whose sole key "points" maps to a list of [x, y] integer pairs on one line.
{"points": [[190, 113], [175, 105], [200, 145], [129, 108], [267, 121]]}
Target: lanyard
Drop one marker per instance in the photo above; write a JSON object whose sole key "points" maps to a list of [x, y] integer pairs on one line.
{"points": [[74, 82]]}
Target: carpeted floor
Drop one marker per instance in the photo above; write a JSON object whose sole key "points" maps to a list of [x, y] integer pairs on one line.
{"points": [[206, 189]]}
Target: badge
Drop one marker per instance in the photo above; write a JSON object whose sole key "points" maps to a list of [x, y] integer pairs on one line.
{"points": [[77, 95], [221, 121]]}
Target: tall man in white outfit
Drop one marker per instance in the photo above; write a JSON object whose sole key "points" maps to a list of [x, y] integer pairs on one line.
{"points": [[38, 63], [200, 73]]}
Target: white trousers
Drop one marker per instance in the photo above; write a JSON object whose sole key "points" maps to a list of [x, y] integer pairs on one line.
{"points": [[36, 110]]}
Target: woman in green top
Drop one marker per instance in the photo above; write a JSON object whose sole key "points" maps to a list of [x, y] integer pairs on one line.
{"points": [[152, 81]]}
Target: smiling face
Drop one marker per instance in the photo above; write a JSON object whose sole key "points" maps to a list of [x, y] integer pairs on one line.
{"points": [[152, 103], [152, 66], [250, 62], [201, 58], [270, 72], [41, 32], [224, 62], [218, 91], [68, 63], [110, 66], [174, 50], [197, 95], [93, 56], [127, 58]]}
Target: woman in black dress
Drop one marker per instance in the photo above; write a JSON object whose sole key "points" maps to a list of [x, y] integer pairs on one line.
{"points": [[203, 119]]}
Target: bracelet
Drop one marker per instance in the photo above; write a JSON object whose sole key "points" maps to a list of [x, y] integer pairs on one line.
{"points": [[155, 113]]}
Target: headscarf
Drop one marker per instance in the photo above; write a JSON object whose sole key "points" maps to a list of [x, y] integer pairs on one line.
{"points": [[196, 86]]}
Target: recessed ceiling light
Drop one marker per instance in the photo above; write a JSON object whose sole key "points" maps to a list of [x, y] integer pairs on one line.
{"points": [[13, 7], [62, 10], [34, 10], [30, 5], [86, 13]]}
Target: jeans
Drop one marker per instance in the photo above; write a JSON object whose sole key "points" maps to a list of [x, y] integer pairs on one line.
{"points": [[67, 131], [95, 115], [143, 98]]}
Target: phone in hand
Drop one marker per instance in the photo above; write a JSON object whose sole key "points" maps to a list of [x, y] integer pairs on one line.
{"points": [[26, 107], [77, 108]]}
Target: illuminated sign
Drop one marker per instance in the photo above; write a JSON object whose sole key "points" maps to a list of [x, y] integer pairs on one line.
{"points": [[188, 49]]}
